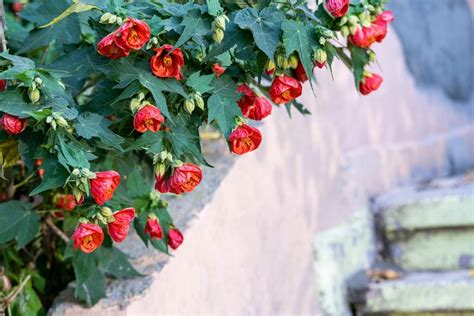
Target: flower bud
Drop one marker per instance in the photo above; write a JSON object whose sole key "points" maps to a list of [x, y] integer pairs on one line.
{"points": [[353, 20], [320, 56], [189, 105], [163, 155], [119, 21], [220, 22], [199, 101], [293, 61], [38, 81], [105, 18], [372, 57], [353, 29], [280, 60], [61, 121], [106, 212], [49, 119], [322, 41], [141, 96], [34, 95], [345, 31], [270, 67], [371, 8], [218, 35], [160, 169], [378, 11], [76, 172], [343, 20], [54, 125], [113, 19], [135, 105]]}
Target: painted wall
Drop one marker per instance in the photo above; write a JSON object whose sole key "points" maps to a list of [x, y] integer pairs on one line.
{"points": [[250, 251]]}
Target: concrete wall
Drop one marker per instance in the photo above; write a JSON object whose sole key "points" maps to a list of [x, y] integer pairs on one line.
{"points": [[250, 251]]}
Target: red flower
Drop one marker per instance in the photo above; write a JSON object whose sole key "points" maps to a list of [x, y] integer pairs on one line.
{"points": [[320, 65], [148, 118], [104, 185], [65, 202], [253, 107], [218, 70], [244, 139], [13, 125], [108, 47], [17, 7], [369, 83], [337, 8], [153, 228], [88, 237], [364, 37], [380, 25], [167, 65], [38, 163], [3, 85], [175, 238], [118, 229], [300, 73], [284, 89], [132, 34], [183, 179]]}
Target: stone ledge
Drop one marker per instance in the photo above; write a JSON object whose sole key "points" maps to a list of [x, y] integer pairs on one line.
{"points": [[121, 292]]}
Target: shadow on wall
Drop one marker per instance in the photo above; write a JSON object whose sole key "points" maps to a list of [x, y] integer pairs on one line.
{"points": [[437, 38]]}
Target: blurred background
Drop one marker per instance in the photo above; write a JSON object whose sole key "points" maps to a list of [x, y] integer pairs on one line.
{"points": [[365, 207]]}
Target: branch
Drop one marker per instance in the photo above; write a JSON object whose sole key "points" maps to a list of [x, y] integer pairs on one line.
{"points": [[3, 28], [10, 298], [56, 230]]}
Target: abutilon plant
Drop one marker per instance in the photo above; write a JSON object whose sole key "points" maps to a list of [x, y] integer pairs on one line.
{"points": [[101, 108]]}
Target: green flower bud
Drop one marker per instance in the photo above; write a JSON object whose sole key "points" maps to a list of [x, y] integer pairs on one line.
{"points": [[105, 18], [38, 81], [199, 101], [353, 20], [106, 211], [113, 19], [293, 61], [220, 22], [285, 64], [371, 8], [345, 31], [160, 169], [320, 56], [353, 29], [270, 65], [343, 20], [189, 105], [119, 21], [378, 11], [372, 57], [34, 95], [322, 41], [135, 105], [61, 121], [280, 60], [76, 172], [218, 35]]}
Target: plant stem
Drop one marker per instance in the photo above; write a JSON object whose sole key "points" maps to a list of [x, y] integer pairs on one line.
{"points": [[11, 298], [49, 222], [25, 181]]}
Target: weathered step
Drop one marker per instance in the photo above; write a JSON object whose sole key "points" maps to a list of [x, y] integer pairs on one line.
{"points": [[419, 293], [429, 228]]}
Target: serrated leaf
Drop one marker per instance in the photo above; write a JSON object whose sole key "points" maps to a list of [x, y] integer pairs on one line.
{"points": [[193, 26], [27, 302], [201, 84], [121, 268], [91, 290], [91, 125], [12, 102], [265, 26], [297, 36], [150, 141], [223, 104], [19, 222], [19, 65], [55, 175], [74, 8]]}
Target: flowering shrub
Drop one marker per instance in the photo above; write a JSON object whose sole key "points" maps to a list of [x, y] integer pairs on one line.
{"points": [[101, 109]]}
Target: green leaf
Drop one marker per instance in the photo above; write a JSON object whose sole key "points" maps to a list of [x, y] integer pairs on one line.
{"points": [[55, 175], [214, 8], [74, 8], [9, 154], [137, 184], [150, 141], [201, 84], [121, 268], [91, 125], [223, 104], [265, 26], [234, 37], [27, 302], [19, 222], [298, 36], [360, 58], [193, 26], [92, 289], [12, 102], [20, 65]]}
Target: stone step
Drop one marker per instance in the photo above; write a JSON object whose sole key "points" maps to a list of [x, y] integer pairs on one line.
{"points": [[416, 293], [429, 227]]}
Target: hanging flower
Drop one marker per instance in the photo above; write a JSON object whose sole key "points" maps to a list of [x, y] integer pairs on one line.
{"points": [[12, 125], [132, 34], [153, 228], [88, 237], [175, 238], [148, 118], [218, 70], [3, 85], [252, 106], [104, 186], [284, 89], [380, 25], [119, 228], [167, 63], [369, 83], [337, 8], [108, 47], [244, 139], [65, 202], [300, 73], [183, 179]]}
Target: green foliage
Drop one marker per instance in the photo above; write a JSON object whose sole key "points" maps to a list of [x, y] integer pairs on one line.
{"points": [[18, 222]]}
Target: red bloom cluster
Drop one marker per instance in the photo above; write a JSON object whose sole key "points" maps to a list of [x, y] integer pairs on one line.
{"points": [[88, 237], [182, 179], [244, 139], [148, 118], [131, 35], [167, 62], [285, 89], [337, 8], [104, 186], [364, 37], [118, 229], [369, 83], [253, 107], [13, 125]]}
